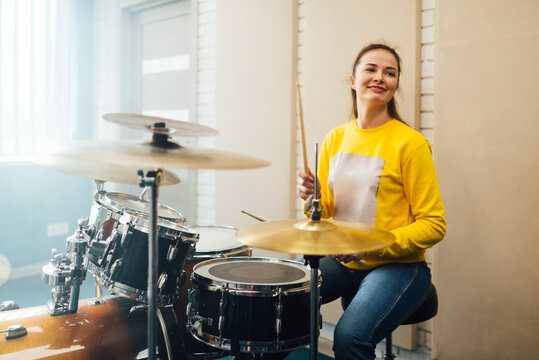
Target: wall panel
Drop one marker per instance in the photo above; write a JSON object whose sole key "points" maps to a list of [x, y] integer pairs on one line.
{"points": [[486, 149]]}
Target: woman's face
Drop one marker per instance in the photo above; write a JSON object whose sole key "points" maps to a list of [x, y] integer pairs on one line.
{"points": [[376, 77]]}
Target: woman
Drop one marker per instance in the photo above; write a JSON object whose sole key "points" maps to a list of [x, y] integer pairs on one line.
{"points": [[377, 170]]}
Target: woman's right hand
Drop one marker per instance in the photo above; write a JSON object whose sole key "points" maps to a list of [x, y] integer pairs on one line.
{"points": [[305, 184]]}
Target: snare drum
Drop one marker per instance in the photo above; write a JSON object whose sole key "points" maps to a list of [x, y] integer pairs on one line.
{"points": [[121, 260], [250, 304], [216, 241]]}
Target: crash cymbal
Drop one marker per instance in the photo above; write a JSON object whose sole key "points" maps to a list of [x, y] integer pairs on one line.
{"points": [[103, 172], [146, 155], [324, 237], [161, 125]]}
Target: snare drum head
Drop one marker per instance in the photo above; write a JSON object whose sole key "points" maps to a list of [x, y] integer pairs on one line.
{"points": [[124, 202], [214, 240], [252, 273]]}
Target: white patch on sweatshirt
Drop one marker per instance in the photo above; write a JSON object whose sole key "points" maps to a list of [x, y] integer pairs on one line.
{"points": [[354, 181]]}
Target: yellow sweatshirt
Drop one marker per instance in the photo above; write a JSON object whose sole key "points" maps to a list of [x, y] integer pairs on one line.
{"points": [[385, 177]]}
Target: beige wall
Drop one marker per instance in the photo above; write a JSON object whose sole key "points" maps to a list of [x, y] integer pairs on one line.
{"points": [[487, 136], [255, 56], [335, 32]]}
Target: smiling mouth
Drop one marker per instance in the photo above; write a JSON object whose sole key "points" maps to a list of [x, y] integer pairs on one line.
{"points": [[377, 89]]}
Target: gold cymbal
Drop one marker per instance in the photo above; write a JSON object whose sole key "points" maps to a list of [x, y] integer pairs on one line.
{"points": [[324, 237], [168, 126], [146, 155], [103, 172]]}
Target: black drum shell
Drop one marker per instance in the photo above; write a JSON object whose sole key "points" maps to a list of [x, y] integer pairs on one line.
{"points": [[134, 261], [250, 306], [250, 318]]}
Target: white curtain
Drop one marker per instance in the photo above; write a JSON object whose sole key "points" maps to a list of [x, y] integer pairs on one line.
{"points": [[38, 62]]}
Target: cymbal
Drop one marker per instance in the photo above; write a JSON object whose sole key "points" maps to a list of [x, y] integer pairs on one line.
{"points": [[324, 237], [169, 126], [146, 155], [103, 172]]}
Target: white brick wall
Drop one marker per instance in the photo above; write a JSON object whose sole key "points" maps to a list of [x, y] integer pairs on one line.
{"points": [[107, 53], [427, 70], [300, 72], [205, 213], [427, 119]]}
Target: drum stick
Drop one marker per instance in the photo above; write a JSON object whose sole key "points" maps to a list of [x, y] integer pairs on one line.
{"points": [[259, 218], [302, 129]]}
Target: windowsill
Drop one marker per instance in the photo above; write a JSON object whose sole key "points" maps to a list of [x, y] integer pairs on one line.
{"points": [[4, 160]]}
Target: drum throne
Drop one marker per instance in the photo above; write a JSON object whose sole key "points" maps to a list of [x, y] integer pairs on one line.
{"points": [[427, 310]]}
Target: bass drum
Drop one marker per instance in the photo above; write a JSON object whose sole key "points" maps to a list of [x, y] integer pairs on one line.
{"points": [[115, 329]]}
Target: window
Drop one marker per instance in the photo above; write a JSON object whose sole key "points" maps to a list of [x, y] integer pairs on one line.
{"points": [[39, 84]]}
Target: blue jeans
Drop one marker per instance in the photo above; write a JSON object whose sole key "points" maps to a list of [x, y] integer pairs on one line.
{"points": [[381, 300]]}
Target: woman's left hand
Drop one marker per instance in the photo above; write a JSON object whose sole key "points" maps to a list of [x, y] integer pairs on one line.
{"points": [[350, 257]]}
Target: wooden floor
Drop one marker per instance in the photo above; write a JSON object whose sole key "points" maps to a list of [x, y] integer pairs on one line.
{"points": [[325, 346]]}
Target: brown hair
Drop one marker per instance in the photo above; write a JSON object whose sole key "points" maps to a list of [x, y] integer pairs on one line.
{"points": [[392, 105]]}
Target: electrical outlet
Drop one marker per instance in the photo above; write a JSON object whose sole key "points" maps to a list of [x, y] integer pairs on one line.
{"points": [[57, 229]]}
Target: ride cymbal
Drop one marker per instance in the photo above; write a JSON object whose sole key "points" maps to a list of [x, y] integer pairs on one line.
{"points": [[103, 172], [161, 125], [147, 155], [324, 237]]}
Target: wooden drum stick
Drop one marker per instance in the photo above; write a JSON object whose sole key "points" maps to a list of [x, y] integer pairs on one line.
{"points": [[259, 218], [302, 129]]}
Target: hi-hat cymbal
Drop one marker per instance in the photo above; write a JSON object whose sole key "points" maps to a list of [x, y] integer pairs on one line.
{"points": [[146, 155], [166, 127], [324, 237], [103, 172]]}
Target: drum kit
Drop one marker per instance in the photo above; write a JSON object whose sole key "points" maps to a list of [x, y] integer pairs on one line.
{"points": [[179, 291]]}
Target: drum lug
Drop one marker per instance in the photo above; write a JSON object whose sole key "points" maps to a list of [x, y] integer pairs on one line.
{"points": [[171, 253], [192, 296], [222, 304], [202, 321], [279, 315], [14, 331], [115, 268], [162, 281], [181, 279], [8, 305], [96, 301], [125, 240]]}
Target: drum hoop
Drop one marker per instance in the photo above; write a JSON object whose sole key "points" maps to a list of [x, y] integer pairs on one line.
{"points": [[232, 252], [238, 247], [228, 227], [250, 346], [165, 228], [241, 288], [131, 292], [106, 199]]}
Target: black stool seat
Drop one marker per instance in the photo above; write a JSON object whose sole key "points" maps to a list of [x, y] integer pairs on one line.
{"points": [[427, 310]]}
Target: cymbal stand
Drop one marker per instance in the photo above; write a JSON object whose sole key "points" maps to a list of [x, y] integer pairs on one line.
{"points": [[314, 262], [151, 180]]}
